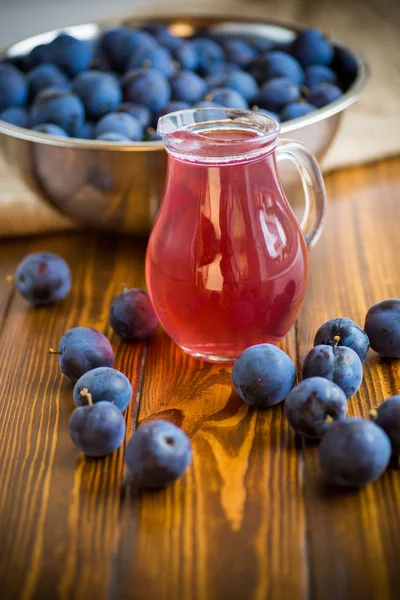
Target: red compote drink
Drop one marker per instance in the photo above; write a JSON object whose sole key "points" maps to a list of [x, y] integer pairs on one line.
{"points": [[227, 261]]}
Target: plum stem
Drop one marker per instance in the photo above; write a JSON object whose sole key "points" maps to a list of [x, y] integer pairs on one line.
{"points": [[52, 351], [124, 287], [373, 413], [336, 339], [86, 394], [10, 278], [328, 420], [255, 107]]}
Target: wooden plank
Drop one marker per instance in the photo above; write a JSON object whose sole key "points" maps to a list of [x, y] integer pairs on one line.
{"points": [[59, 511], [234, 526], [354, 536]]}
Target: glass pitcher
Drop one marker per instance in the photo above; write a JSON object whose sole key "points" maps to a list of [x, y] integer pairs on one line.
{"points": [[226, 264]]}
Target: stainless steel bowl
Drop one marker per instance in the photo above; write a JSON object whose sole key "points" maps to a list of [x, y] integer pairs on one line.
{"points": [[119, 187]]}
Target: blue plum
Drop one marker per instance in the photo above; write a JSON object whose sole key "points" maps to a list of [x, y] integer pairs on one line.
{"points": [[155, 57], [121, 123], [111, 43], [239, 52], [382, 326], [85, 131], [157, 454], [13, 87], [168, 40], [387, 416], [187, 57], [100, 93], [209, 53], [294, 110], [140, 112], [44, 76], [38, 55], [277, 64], [59, 107], [218, 69], [241, 82], [51, 129], [187, 86], [316, 74], [263, 375], [354, 452], [43, 278], [104, 385], [349, 334], [148, 87], [16, 115], [97, 430], [277, 93], [132, 316], [313, 405], [338, 364], [323, 94], [312, 48], [70, 54], [227, 98], [133, 41], [82, 349], [345, 65]]}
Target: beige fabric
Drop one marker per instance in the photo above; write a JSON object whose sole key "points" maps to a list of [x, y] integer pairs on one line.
{"points": [[370, 129]]}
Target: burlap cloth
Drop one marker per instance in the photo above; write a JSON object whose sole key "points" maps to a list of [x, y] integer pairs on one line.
{"points": [[370, 129]]}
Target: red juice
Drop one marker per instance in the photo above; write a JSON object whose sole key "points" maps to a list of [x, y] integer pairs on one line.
{"points": [[227, 262]]}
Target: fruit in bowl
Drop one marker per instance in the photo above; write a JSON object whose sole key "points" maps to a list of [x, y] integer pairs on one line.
{"points": [[214, 61], [87, 88]]}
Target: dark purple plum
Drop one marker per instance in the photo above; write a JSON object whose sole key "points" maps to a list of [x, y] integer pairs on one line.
{"points": [[43, 278], [354, 452], [13, 87], [312, 48], [276, 93], [157, 454], [82, 349], [263, 375], [70, 54], [119, 123], [97, 429], [382, 326], [313, 405], [104, 385], [227, 98], [16, 115], [188, 87], [148, 87], [44, 76], [132, 316], [387, 416], [349, 333], [99, 92], [338, 364], [59, 107]]}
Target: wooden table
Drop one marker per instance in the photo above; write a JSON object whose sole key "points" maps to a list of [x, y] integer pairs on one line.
{"points": [[252, 519]]}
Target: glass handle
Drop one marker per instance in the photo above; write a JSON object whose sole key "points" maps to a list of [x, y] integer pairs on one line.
{"points": [[313, 187]]}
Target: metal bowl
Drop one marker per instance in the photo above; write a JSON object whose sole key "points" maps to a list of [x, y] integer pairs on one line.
{"points": [[119, 187]]}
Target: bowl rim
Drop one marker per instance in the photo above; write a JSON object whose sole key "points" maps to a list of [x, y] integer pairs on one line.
{"points": [[346, 100]]}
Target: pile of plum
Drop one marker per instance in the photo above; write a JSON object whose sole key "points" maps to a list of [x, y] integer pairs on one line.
{"points": [[353, 451], [158, 452], [116, 88]]}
